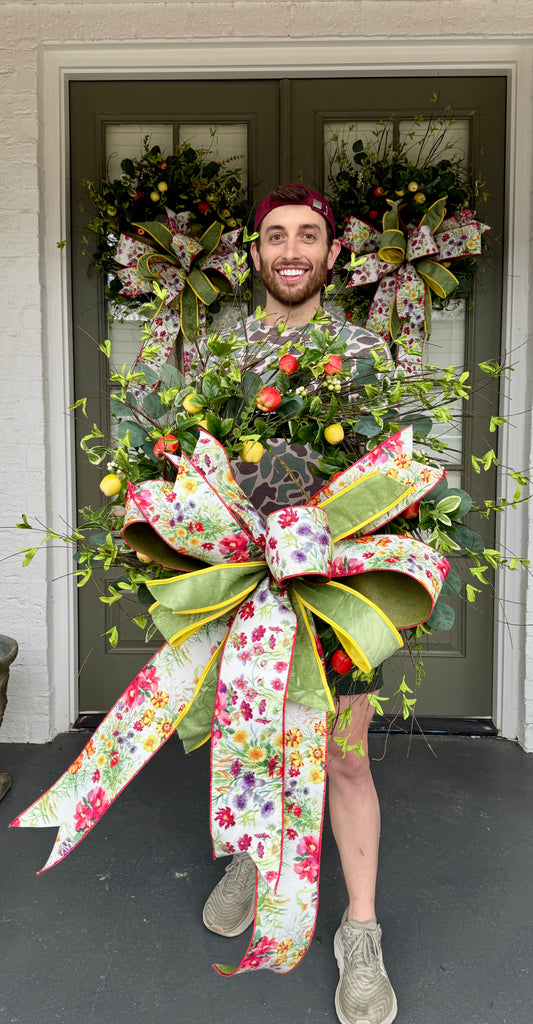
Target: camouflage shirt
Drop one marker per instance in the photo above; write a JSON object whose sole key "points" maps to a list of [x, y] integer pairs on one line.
{"points": [[268, 483]]}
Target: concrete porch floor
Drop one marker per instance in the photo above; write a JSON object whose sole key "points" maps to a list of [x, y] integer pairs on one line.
{"points": [[114, 934]]}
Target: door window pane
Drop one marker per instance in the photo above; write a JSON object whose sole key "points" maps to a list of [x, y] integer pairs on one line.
{"points": [[222, 141], [446, 347], [339, 137], [126, 140], [428, 140]]}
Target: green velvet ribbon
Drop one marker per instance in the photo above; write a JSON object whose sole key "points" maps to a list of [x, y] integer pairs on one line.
{"points": [[200, 286]]}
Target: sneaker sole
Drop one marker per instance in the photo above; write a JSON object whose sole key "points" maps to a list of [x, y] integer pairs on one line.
{"points": [[338, 948], [236, 931]]}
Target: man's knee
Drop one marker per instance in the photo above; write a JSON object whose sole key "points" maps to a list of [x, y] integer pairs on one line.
{"points": [[351, 767]]}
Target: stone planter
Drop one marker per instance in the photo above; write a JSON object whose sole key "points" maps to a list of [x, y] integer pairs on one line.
{"points": [[8, 653]]}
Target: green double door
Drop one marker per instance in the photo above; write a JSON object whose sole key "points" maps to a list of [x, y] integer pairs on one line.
{"points": [[281, 131]]}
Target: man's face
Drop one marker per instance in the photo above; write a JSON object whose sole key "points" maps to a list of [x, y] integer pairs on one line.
{"points": [[293, 258]]}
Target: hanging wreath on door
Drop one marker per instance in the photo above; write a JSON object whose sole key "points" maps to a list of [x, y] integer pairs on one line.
{"points": [[167, 244], [412, 223]]}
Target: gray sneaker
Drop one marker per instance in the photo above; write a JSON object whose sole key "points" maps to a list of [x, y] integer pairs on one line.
{"points": [[230, 907], [364, 994]]}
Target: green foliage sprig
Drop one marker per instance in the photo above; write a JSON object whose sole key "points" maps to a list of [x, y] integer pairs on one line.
{"points": [[188, 180]]}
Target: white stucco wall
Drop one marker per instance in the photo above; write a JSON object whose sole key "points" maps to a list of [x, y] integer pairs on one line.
{"points": [[29, 598]]}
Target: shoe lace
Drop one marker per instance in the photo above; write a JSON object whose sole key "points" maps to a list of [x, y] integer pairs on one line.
{"points": [[363, 952], [235, 870]]}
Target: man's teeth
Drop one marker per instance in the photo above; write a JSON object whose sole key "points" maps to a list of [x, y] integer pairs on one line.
{"points": [[292, 273]]}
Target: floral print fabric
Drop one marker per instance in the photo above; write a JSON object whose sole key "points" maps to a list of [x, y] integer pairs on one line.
{"points": [[233, 657]]}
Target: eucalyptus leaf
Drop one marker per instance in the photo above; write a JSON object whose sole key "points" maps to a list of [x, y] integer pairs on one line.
{"points": [[422, 425], [137, 433], [171, 377], [365, 369], [132, 399], [152, 405], [148, 449], [97, 539], [118, 408], [150, 375], [251, 382], [468, 539], [366, 426], [291, 405], [143, 595], [442, 616], [453, 583]]}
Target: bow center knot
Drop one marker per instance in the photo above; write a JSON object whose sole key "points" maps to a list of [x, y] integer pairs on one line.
{"points": [[299, 543]]}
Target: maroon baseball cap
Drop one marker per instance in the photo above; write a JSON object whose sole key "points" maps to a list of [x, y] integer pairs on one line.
{"points": [[294, 194]]}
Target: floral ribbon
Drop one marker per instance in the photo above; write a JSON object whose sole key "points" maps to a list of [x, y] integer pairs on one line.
{"points": [[192, 271], [241, 663], [407, 264]]}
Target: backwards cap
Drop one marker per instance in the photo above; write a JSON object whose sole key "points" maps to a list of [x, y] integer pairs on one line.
{"points": [[296, 195]]}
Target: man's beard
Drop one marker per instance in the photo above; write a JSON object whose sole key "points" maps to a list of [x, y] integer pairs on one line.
{"points": [[294, 295]]}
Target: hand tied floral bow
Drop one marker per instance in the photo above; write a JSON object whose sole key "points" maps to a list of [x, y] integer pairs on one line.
{"points": [[192, 271], [241, 663], [407, 264]]}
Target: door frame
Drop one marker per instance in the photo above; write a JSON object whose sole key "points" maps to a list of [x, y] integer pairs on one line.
{"points": [[280, 58]]}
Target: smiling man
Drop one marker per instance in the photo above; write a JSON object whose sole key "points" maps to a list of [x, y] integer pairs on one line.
{"points": [[295, 251], [294, 254]]}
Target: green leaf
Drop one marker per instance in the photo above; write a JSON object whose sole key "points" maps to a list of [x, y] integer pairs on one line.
{"points": [[29, 554], [140, 621], [442, 616], [251, 382], [137, 434], [453, 583], [117, 407], [443, 491], [468, 539], [152, 405], [112, 635], [126, 166], [152, 628], [213, 423], [24, 525], [143, 595], [97, 539], [105, 347], [422, 425], [471, 592], [171, 377], [80, 404], [366, 426], [291, 405], [210, 387], [448, 504]]}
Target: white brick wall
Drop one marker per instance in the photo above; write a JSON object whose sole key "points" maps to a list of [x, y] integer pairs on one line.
{"points": [[27, 596]]}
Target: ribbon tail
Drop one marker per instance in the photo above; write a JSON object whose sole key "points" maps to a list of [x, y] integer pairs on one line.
{"points": [[248, 727], [284, 920], [144, 717]]}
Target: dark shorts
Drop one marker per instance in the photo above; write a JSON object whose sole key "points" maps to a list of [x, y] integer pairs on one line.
{"points": [[342, 686]]}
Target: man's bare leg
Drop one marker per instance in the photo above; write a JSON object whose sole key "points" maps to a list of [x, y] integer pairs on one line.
{"points": [[354, 810], [364, 994]]}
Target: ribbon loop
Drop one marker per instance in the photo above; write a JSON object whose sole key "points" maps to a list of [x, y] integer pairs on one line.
{"points": [[406, 274], [299, 544], [193, 272]]}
